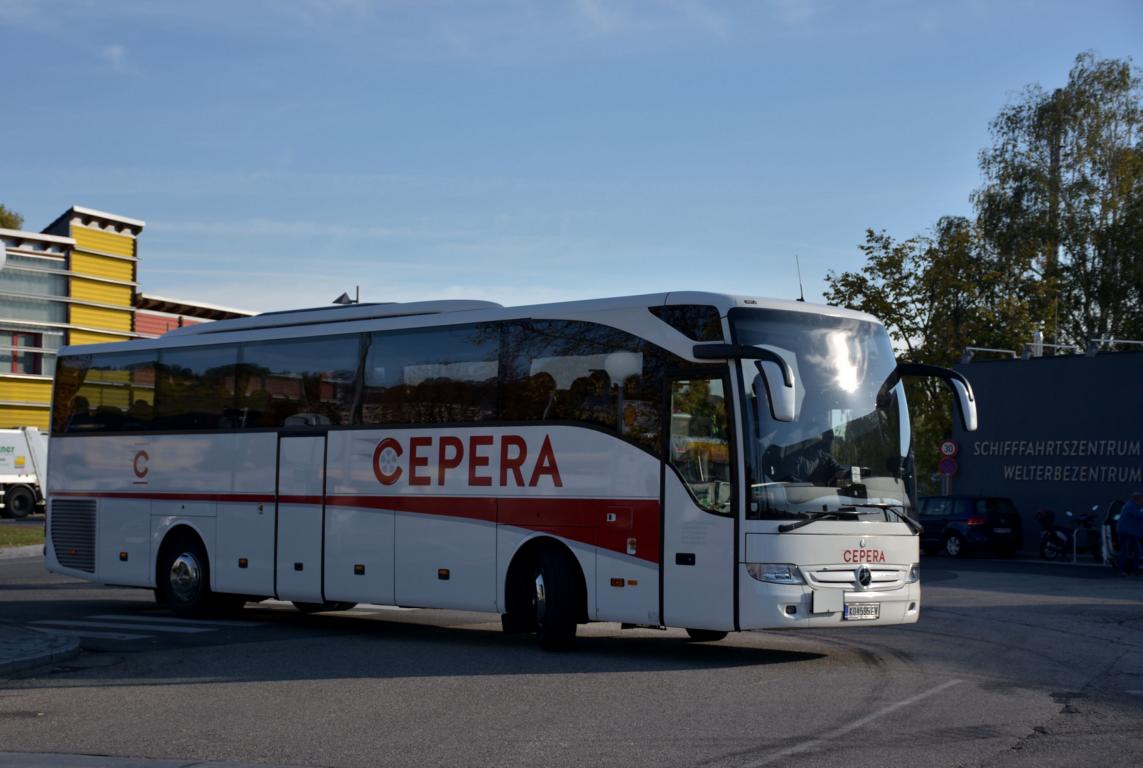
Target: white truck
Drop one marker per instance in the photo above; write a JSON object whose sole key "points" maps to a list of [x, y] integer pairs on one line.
{"points": [[23, 467]]}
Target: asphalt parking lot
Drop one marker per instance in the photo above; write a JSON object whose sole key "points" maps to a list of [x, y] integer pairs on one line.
{"points": [[1014, 663]]}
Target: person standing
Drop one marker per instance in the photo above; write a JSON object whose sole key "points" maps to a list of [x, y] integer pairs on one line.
{"points": [[1130, 529]]}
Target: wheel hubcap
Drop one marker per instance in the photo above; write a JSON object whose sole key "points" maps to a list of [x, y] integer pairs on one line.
{"points": [[541, 598], [953, 546], [186, 576]]}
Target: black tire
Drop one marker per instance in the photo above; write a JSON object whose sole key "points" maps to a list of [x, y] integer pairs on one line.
{"points": [[184, 577], [705, 635], [954, 545], [325, 607], [19, 502], [519, 617], [555, 604]]}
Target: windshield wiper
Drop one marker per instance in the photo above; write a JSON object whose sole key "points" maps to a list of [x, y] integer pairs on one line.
{"points": [[813, 517], [897, 509]]}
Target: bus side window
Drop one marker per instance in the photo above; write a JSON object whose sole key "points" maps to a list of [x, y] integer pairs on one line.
{"points": [[433, 375], [105, 393], [296, 382], [531, 398], [195, 386], [700, 448], [592, 374]]}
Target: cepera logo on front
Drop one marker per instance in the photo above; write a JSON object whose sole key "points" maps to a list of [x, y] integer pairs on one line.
{"points": [[478, 461], [863, 553]]}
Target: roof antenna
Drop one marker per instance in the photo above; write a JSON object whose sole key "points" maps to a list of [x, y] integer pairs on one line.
{"points": [[798, 262]]}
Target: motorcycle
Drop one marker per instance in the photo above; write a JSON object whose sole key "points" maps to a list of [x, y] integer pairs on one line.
{"points": [[1056, 541]]}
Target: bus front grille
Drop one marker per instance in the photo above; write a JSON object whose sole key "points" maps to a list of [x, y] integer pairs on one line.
{"points": [[883, 578], [72, 526]]}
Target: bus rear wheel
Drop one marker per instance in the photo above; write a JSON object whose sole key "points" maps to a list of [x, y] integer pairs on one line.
{"points": [[554, 600], [184, 576], [705, 635]]}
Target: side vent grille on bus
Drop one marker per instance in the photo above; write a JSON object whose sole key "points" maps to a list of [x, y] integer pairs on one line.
{"points": [[72, 523]]}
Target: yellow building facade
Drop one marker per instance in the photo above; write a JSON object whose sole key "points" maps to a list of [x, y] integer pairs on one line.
{"points": [[73, 283]]}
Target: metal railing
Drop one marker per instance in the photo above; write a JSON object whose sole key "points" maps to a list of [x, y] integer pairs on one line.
{"points": [[1094, 345], [966, 358]]}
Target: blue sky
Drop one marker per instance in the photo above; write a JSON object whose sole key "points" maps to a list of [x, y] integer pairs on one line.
{"points": [[282, 152]]}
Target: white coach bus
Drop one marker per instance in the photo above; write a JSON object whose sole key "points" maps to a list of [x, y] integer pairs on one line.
{"points": [[693, 460]]}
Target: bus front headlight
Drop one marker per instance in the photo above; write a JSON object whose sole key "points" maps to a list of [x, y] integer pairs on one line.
{"points": [[914, 573], [775, 573]]}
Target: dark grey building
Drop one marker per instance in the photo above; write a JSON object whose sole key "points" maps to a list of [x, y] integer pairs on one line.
{"points": [[1063, 433]]}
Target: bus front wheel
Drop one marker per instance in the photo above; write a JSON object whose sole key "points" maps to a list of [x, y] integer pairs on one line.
{"points": [[554, 600]]}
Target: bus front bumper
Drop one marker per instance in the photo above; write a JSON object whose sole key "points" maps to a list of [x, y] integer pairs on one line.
{"points": [[766, 605]]}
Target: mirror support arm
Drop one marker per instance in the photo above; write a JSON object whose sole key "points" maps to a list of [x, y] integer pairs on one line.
{"points": [[959, 385], [743, 351]]}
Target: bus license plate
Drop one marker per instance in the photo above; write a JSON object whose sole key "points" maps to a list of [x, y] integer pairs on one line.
{"points": [[861, 611]]}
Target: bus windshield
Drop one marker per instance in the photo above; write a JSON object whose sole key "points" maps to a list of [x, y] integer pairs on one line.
{"points": [[840, 454]]}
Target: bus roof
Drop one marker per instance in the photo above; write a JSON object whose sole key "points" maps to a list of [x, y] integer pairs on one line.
{"points": [[320, 320]]}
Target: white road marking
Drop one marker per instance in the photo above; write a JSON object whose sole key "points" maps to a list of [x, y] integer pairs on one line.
{"points": [[91, 633], [176, 622], [121, 625], [823, 740]]}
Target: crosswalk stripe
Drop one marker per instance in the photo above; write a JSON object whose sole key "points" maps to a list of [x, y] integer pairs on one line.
{"points": [[120, 625], [92, 633], [175, 622]]}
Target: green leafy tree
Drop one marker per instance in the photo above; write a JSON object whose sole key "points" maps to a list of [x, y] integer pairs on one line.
{"points": [[1062, 199], [9, 219], [1057, 241], [937, 293]]}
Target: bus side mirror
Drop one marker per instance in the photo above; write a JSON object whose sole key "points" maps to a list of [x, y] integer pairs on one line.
{"points": [[967, 404], [776, 374], [779, 393], [966, 400]]}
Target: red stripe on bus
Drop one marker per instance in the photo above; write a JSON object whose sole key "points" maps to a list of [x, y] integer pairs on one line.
{"points": [[469, 507], [288, 499], [249, 498], [617, 525]]}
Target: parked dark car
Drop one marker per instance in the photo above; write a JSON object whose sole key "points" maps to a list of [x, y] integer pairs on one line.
{"points": [[957, 525]]}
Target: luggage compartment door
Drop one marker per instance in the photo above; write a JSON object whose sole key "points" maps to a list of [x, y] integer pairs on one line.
{"points": [[300, 518]]}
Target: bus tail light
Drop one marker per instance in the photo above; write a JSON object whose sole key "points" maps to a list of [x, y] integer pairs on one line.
{"points": [[775, 573]]}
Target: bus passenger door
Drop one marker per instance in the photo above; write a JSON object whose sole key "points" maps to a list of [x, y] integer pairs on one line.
{"points": [[698, 503], [301, 512]]}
